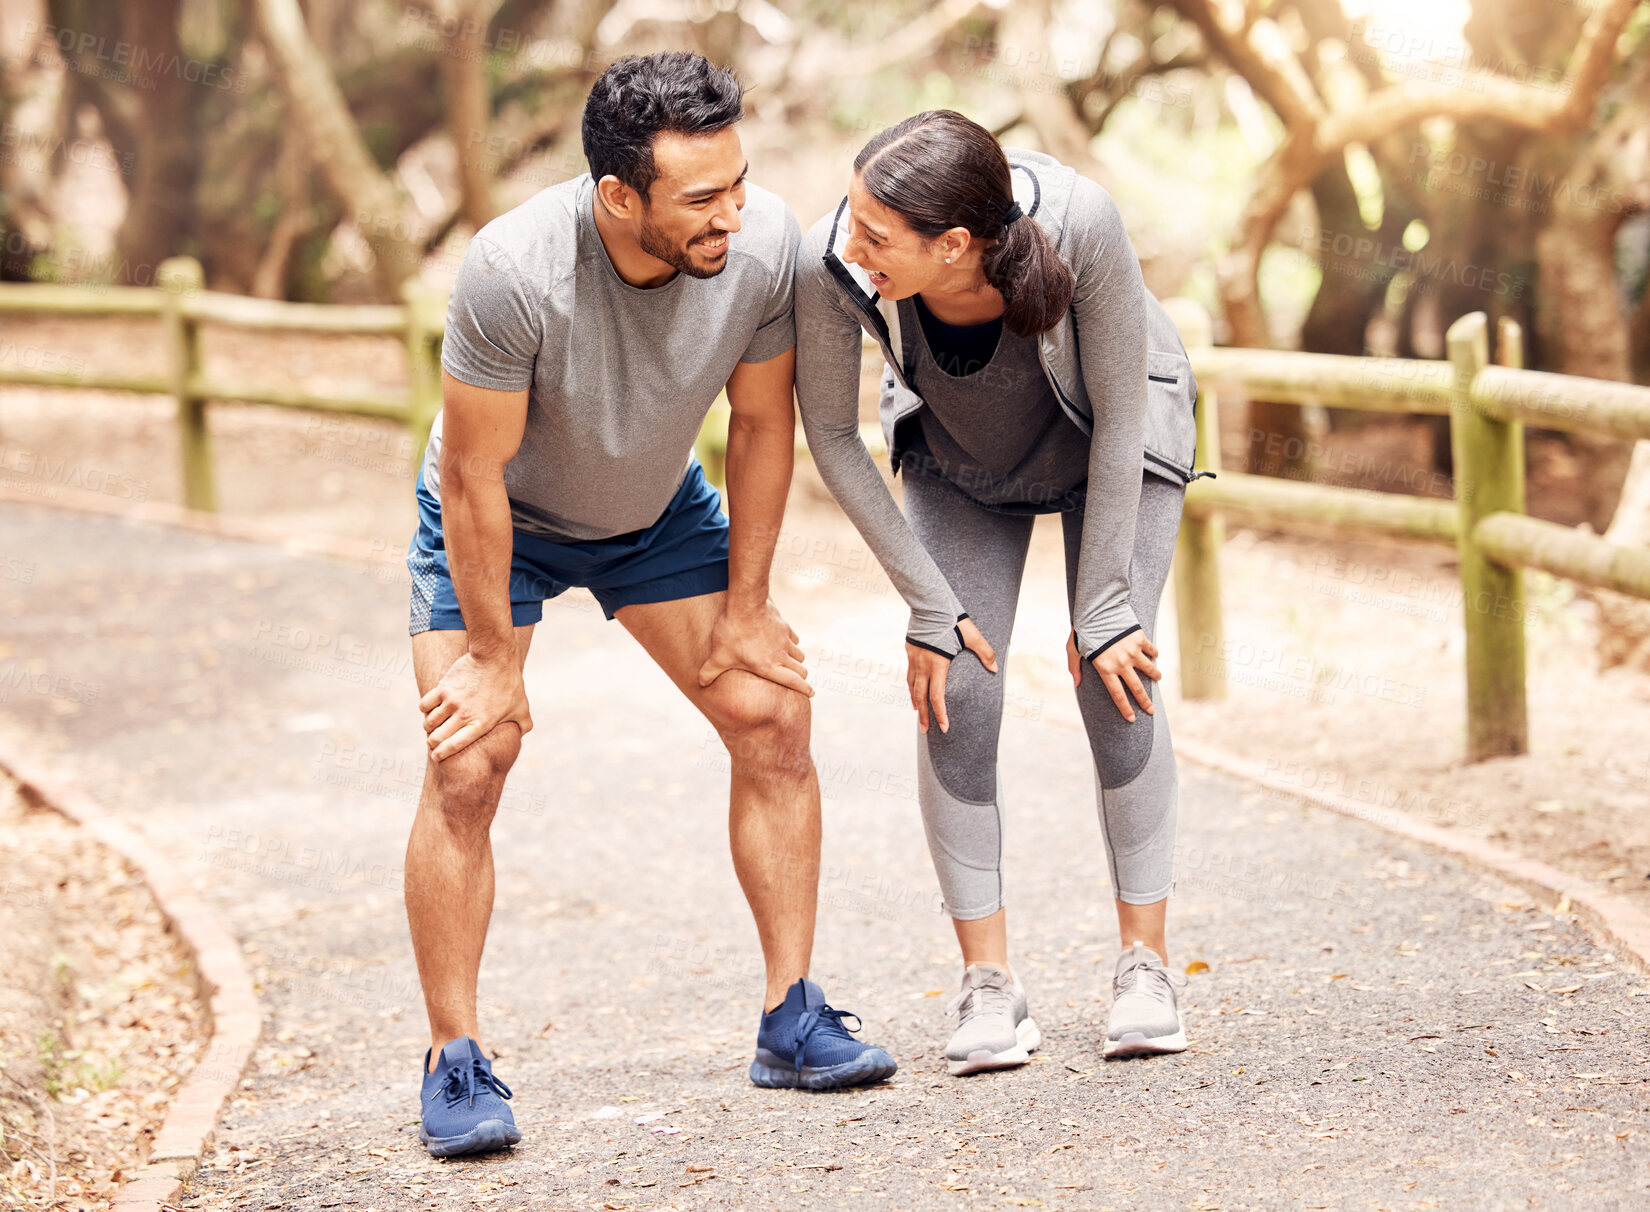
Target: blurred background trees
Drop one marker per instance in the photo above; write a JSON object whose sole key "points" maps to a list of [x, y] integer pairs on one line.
{"points": [[1343, 176]]}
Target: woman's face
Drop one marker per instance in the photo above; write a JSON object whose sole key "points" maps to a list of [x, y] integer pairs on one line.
{"points": [[901, 262]]}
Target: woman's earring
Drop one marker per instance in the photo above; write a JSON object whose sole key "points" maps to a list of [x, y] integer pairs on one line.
{"points": [[948, 260]]}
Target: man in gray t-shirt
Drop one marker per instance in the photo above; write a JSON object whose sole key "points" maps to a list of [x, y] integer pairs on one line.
{"points": [[589, 332]]}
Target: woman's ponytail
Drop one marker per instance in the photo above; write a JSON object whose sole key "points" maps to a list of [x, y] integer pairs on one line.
{"points": [[940, 170], [1035, 284]]}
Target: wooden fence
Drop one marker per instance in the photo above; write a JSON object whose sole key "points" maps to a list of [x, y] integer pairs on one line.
{"points": [[1487, 405], [183, 306]]}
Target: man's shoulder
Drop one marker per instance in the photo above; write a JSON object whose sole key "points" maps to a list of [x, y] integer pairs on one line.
{"points": [[768, 231], [540, 235]]}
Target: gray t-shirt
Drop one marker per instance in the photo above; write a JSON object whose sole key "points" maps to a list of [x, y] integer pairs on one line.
{"points": [[620, 377]]}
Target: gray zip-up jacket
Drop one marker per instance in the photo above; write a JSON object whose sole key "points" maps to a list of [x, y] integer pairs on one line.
{"points": [[1115, 363]]}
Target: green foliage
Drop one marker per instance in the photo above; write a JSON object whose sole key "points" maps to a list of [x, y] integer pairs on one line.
{"points": [[70, 1069], [1158, 150]]}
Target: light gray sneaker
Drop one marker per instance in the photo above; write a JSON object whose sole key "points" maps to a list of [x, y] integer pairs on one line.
{"points": [[994, 1030], [1145, 1016]]}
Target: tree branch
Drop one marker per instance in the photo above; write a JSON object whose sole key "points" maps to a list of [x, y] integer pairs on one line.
{"points": [[1479, 95], [1276, 77]]}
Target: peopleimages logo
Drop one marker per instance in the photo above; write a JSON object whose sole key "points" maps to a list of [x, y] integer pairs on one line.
{"points": [[1381, 257], [1446, 171], [129, 62]]}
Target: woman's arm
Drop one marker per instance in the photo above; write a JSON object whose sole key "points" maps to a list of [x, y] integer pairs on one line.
{"points": [[1109, 307], [827, 392]]}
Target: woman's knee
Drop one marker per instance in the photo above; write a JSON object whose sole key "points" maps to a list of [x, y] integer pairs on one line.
{"points": [[1121, 747], [964, 756]]}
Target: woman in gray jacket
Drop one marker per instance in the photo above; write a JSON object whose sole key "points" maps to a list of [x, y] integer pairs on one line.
{"points": [[1028, 371]]}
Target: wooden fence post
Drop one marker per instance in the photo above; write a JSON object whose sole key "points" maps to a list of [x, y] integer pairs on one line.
{"points": [[426, 316], [179, 278], [1489, 478], [1197, 547]]}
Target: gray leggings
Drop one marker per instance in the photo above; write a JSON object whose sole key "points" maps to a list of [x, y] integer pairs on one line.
{"points": [[983, 555]]}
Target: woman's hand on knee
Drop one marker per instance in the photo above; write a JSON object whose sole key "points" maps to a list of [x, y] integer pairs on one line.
{"points": [[926, 671], [1120, 667]]}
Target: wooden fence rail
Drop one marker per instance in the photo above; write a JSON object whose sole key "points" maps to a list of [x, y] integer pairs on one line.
{"points": [[184, 306], [1487, 405]]}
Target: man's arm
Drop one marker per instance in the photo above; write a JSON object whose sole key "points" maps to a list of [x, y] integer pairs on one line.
{"points": [[751, 635], [480, 432]]}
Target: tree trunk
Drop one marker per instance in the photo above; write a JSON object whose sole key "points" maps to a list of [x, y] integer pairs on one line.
{"points": [[1624, 622], [33, 116], [1580, 315], [317, 109], [160, 206], [1639, 326], [469, 111], [1619, 170]]}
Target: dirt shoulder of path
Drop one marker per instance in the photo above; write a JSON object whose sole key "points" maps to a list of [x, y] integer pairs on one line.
{"points": [[99, 1017]]}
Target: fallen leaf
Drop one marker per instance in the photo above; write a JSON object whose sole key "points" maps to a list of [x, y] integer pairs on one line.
{"points": [[1192, 969]]}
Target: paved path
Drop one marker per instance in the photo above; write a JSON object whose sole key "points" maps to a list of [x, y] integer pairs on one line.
{"points": [[1378, 1027]]}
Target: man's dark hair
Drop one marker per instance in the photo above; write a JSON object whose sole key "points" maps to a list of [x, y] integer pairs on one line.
{"points": [[639, 97]]}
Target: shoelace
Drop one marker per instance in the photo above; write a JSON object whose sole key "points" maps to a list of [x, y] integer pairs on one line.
{"points": [[823, 1021], [467, 1081], [969, 998], [1129, 981]]}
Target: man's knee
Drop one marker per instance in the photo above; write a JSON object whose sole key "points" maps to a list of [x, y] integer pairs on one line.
{"points": [[471, 781], [761, 722]]}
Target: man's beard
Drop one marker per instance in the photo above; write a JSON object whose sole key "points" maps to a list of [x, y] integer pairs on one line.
{"points": [[655, 243]]}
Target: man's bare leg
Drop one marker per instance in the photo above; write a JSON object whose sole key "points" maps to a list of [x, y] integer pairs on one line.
{"points": [[773, 802], [448, 877]]}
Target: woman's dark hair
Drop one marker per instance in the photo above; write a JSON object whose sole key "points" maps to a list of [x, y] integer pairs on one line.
{"points": [[940, 170], [639, 97]]}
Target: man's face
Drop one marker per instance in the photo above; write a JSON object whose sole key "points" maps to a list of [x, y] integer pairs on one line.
{"points": [[695, 201]]}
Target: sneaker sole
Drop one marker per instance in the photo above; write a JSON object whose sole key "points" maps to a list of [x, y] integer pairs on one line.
{"points": [[1028, 1038], [485, 1137], [772, 1073], [1133, 1044]]}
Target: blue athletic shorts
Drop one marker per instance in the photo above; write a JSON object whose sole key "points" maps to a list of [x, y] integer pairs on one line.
{"points": [[682, 555]]}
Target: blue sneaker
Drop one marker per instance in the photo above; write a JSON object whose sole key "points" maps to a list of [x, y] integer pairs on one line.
{"points": [[802, 1042], [464, 1109]]}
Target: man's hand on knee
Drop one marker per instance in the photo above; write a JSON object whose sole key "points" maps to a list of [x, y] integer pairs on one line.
{"points": [[757, 641], [472, 698]]}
